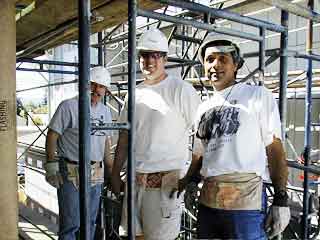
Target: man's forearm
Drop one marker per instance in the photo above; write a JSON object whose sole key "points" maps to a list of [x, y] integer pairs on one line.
{"points": [[107, 156], [51, 145], [121, 153], [277, 165], [195, 166]]}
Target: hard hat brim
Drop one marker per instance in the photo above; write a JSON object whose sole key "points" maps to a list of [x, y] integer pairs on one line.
{"points": [[141, 49], [221, 49], [107, 86], [204, 45]]}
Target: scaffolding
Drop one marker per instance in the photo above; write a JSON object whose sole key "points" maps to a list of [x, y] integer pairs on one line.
{"points": [[198, 17]]}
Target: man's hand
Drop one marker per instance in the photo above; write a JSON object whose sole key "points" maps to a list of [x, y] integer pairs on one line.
{"points": [[51, 166], [53, 176], [119, 159], [182, 183], [279, 215], [277, 220]]}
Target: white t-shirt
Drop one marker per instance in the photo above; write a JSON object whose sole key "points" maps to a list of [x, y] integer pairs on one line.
{"points": [[240, 121], [164, 114], [65, 122]]}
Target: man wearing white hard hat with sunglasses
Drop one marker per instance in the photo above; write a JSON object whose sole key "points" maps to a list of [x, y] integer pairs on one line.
{"points": [[62, 173], [239, 137], [165, 111]]}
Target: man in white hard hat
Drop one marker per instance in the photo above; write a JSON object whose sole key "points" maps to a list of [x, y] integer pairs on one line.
{"points": [[62, 172], [239, 137], [165, 110]]}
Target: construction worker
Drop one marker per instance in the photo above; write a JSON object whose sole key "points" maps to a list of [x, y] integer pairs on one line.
{"points": [[165, 110], [239, 136], [63, 135]]}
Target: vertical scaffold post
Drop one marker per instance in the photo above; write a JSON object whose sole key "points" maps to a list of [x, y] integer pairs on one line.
{"points": [[307, 127], [262, 55], [84, 117], [283, 74], [132, 14], [100, 49]]}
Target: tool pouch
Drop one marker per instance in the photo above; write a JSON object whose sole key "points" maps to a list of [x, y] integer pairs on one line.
{"points": [[73, 174], [97, 176], [97, 173], [169, 206], [239, 191], [163, 182]]}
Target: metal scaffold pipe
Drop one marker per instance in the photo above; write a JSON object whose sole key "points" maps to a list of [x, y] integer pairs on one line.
{"points": [[262, 56], [295, 9], [196, 7], [84, 117], [307, 125], [283, 74], [199, 25], [132, 14]]}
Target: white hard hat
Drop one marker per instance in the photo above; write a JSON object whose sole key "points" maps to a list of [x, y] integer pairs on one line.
{"points": [[153, 40], [227, 45], [100, 75]]}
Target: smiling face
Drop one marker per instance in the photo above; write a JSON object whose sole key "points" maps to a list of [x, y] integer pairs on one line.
{"points": [[152, 66], [97, 92], [220, 69]]}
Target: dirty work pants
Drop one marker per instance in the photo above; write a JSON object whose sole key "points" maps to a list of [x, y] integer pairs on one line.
{"points": [[69, 210]]}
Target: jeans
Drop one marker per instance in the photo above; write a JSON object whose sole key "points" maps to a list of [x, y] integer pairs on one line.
{"points": [[231, 224], [69, 210]]}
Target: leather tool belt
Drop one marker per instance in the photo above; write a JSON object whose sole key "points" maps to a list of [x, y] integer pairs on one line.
{"points": [[167, 179], [164, 182], [238, 191], [97, 173]]}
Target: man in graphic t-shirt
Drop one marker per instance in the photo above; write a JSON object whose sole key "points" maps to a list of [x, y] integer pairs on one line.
{"points": [[239, 137]]}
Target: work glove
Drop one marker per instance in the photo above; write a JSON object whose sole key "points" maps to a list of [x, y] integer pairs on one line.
{"points": [[53, 176], [278, 216]]}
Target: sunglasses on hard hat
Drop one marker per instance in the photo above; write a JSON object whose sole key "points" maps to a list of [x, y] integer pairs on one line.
{"points": [[155, 55]]}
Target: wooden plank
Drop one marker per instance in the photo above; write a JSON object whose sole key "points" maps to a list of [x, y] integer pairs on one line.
{"points": [[24, 2], [52, 15]]}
